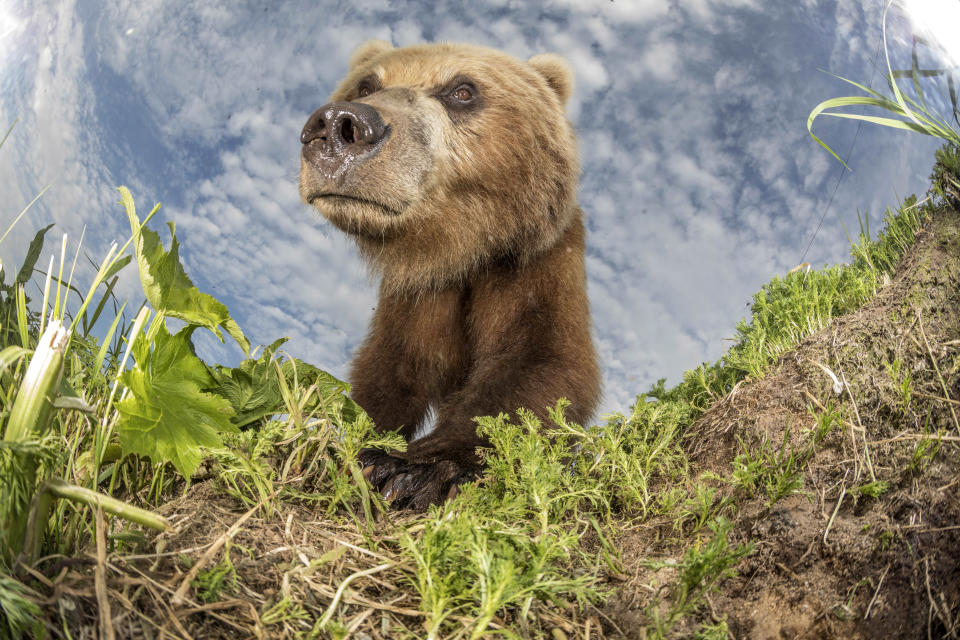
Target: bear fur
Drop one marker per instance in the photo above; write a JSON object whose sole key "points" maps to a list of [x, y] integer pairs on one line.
{"points": [[454, 168]]}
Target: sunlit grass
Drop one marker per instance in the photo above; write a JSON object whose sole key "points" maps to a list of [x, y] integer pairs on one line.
{"points": [[912, 113]]}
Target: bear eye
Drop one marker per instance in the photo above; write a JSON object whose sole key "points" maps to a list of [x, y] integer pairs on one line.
{"points": [[461, 97], [463, 93], [367, 85]]}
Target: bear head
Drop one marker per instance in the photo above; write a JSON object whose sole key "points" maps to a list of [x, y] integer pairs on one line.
{"points": [[443, 159]]}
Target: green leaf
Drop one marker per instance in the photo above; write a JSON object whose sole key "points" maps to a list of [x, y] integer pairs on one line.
{"points": [[887, 122], [115, 267], [66, 390], [253, 387], [33, 253], [76, 404], [12, 354], [232, 328], [169, 290], [167, 416]]}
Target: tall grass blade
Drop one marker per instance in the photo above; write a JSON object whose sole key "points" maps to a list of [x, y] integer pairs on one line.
{"points": [[107, 339], [46, 297], [23, 212], [22, 323], [10, 355], [7, 134], [913, 115]]}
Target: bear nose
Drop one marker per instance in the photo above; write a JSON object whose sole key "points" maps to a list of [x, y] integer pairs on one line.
{"points": [[339, 131]]}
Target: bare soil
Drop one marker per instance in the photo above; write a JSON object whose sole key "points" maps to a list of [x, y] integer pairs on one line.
{"points": [[868, 567]]}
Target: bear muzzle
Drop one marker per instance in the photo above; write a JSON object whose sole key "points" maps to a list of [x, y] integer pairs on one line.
{"points": [[342, 135]]}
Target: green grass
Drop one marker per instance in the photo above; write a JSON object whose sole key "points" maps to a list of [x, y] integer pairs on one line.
{"points": [[218, 581], [794, 306], [130, 417], [701, 569], [777, 471], [912, 113]]}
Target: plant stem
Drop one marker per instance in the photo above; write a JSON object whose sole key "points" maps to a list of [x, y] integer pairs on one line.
{"points": [[29, 419], [110, 505], [33, 407], [57, 488]]}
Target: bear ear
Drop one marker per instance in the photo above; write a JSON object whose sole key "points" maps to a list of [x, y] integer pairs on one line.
{"points": [[368, 51], [557, 72]]}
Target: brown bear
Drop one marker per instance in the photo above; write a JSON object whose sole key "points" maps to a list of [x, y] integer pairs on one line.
{"points": [[454, 167]]}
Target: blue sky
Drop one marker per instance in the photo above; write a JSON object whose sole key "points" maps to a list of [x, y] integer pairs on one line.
{"points": [[699, 181]]}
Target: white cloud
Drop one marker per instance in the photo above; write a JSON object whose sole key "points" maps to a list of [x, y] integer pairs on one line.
{"points": [[705, 10], [620, 10], [51, 145], [661, 60]]}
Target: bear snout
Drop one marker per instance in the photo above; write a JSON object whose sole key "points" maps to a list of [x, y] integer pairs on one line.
{"points": [[339, 133]]}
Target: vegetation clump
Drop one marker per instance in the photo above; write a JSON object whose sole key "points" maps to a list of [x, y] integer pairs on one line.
{"points": [[147, 492]]}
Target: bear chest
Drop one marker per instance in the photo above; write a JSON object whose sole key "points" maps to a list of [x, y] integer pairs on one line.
{"points": [[434, 331]]}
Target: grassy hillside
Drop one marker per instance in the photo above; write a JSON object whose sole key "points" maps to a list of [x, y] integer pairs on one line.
{"points": [[805, 482]]}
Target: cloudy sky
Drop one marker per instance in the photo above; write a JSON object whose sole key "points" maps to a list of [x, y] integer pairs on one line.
{"points": [[699, 180]]}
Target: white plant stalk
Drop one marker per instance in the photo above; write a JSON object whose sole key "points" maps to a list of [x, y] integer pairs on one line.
{"points": [[31, 412], [29, 420]]}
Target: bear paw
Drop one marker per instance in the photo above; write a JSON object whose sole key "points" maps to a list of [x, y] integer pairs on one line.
{"points": [[413, 486], [378, 467]]}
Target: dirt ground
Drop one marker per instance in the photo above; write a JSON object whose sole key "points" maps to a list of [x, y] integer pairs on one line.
{"points": [[831, 561]]}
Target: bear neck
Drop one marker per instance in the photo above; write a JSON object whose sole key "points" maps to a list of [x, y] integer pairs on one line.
{"points": [[442, 256]]}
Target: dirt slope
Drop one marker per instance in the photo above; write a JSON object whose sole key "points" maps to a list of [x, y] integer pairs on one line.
{"points": [[869, 567]]}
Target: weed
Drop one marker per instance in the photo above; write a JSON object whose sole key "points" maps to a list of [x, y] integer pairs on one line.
{"points": [[718, 631], [924, 451], [701, 570], [826, 421], [872, 489], [222, 578], [18, 612], [283, 611], [885, 540], [701, 507], [945, 179], [776, 472], [903, 381]]}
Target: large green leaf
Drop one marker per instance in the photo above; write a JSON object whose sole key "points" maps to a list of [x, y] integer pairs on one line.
{"points": [[167, 416], [253, 388], [167, 286]]}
